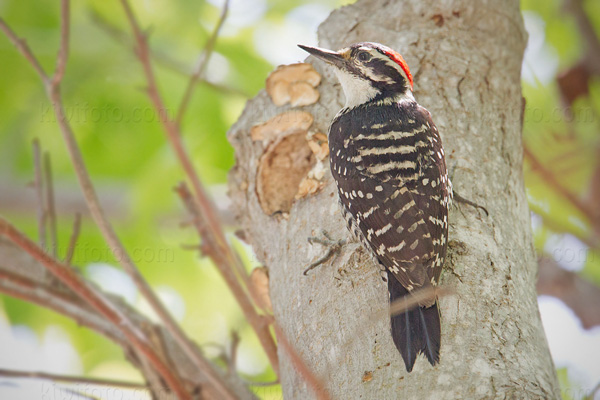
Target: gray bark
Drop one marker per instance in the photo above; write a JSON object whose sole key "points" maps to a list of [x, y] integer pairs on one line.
{"points": [[466, 59]]}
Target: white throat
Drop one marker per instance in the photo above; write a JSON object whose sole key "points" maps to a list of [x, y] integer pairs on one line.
{"points": [[356, 90], [359, 91]]}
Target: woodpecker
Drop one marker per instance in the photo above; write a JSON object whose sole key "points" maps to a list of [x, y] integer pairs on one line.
{"points": [[387, 160]]}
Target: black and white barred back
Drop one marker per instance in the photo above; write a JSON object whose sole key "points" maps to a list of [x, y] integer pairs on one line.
{"points": [[395, 193]]}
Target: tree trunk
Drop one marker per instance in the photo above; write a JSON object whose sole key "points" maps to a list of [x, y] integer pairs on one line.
{"points": [[466, 59]]}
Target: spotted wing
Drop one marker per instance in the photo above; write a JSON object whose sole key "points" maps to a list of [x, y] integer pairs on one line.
{"points": [[394, 186]]}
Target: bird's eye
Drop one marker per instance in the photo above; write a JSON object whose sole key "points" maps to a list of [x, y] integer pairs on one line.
{"points": [[364, 56]]}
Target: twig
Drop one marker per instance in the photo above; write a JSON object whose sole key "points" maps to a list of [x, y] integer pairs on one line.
{"points": [[50, 207], [224, 257], [39, 191], [550, 223], [418, 297], [98, 213], [173, 134], [161, 58], [235, 342], [73, 239], [115, 244], [46, 293], [65, 274], [63, 51], [53, 90], [263, 384], [99, 302], [315, 383], [586, 28], [201, 64], [26, 289], [579, 294], [80, 394], [22, 47], [397, 307], [70, 379], [105, 227], [551, 180]]}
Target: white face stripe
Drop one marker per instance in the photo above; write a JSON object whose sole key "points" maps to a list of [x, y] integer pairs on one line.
{"points": [[356, 90], [391, 63], [398, 68], [368, 72]]}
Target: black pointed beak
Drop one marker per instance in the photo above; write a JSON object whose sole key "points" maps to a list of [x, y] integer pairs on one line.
{"points": [[331, 57]]}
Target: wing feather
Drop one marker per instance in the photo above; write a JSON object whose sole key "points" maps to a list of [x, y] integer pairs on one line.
{"points": [[398, 199]]}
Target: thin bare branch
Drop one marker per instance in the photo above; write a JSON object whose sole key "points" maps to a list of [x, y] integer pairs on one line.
{"points": [[80, 394], [591, 241], [553, 182], [577, 293], [63, 52], [120, 253], [111, 237], [397, 307], [593, 195], [39, 191], [24, 49], [22, 277], [235, 342], [107, 231], [71, 379], [49, 207], [99, 217], [160, 58], [224, 259], [418, 297], [263, 384], [588, 33], [99, 302], [73, 239], [26, 289], [172, 133], [201, 64], [206, 208]]}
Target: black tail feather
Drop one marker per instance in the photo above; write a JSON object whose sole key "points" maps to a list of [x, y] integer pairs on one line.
{"points": [[415, 331]]}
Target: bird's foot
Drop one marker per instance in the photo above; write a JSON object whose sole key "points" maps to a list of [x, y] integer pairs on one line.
{"points": [[459, 199], [334, 247]]}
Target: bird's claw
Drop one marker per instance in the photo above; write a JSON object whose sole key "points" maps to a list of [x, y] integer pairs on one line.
{"points": [[334, 248], [459, 199]]}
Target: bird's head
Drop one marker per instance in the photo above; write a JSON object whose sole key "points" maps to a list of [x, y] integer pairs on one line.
{"points": [[368, 71]]}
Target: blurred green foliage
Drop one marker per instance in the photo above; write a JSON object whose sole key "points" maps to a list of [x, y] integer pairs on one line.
{"points": [[125, 151], [561, 136], [126, 154]]}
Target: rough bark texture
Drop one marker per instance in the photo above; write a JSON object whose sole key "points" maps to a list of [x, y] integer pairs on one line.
{"points": [[466, 58]]}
